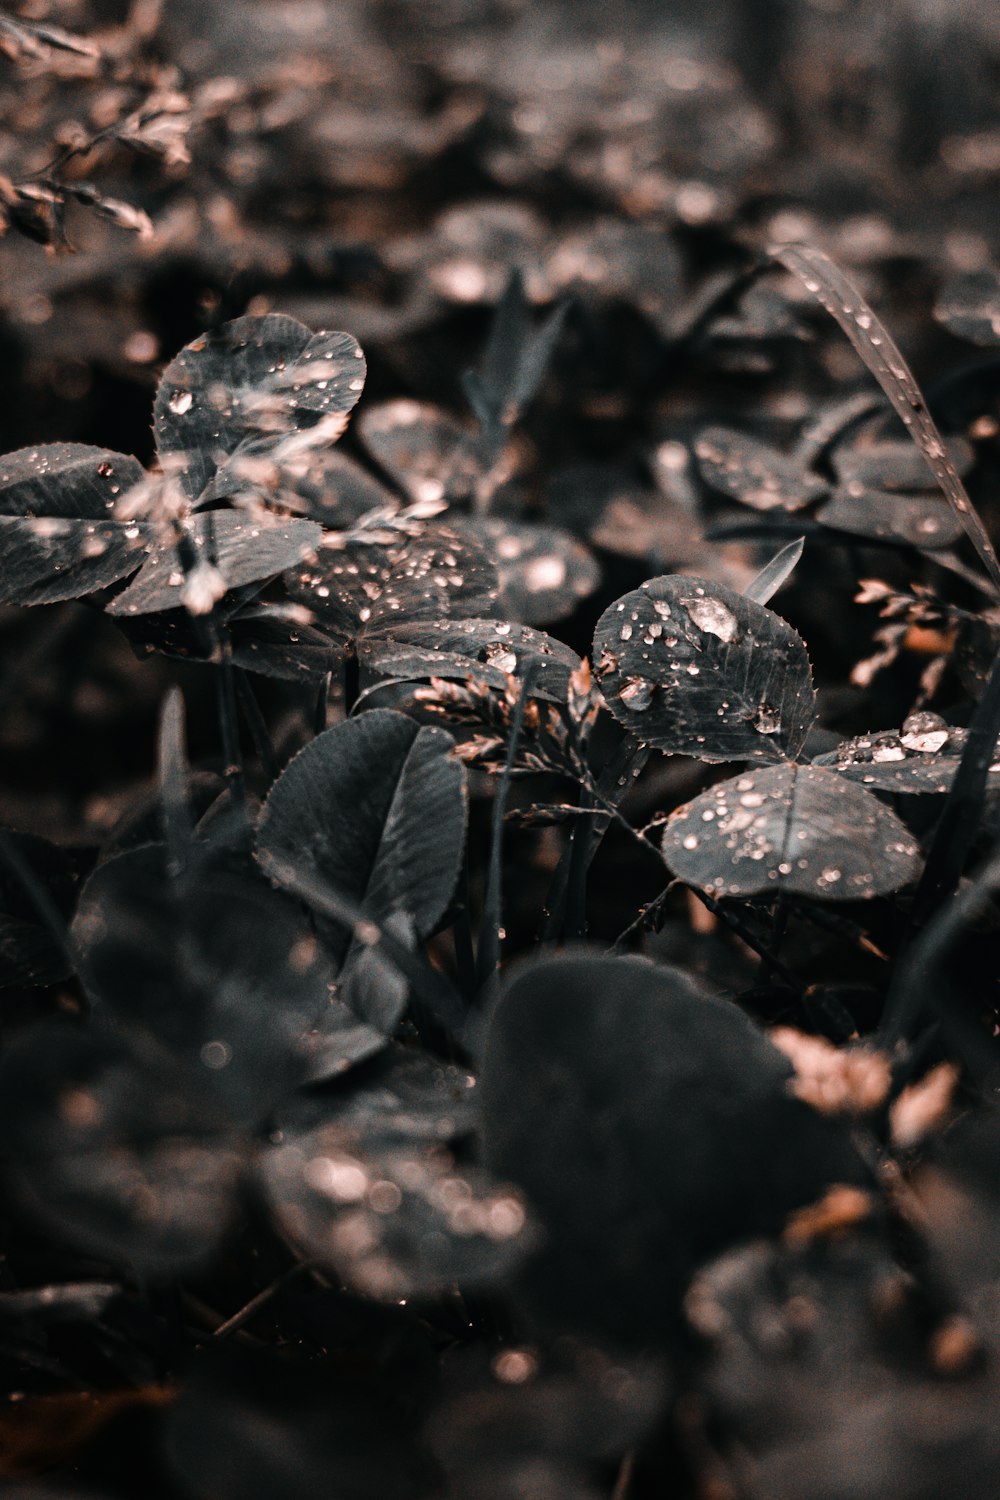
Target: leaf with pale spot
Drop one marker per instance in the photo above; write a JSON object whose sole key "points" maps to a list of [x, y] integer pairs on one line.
{"points": [[366, 1184], [372, 587], [693, 668], [753, 473], [803, 830], [253, 377]]}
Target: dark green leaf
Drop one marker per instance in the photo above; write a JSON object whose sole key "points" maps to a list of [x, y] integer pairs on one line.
{"points": [[801, 829], [753, 473], [125, 1162], [230, 549], [371, 1189], [253, 377], [364, 587], [650, 1126], [377, 807], [693, 668]]}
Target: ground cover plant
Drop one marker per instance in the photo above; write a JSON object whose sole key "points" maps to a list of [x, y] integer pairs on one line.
{"points": [[500, 666]]}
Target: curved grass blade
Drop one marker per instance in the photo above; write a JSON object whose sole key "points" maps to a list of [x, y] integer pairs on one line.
{"points": [[842, 300]]}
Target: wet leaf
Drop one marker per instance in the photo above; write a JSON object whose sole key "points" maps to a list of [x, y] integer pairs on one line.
{"points": [[230, 547], [888, 464], [271, 639], [59, 538], [544, 573], [429, 454], [253, 377], [490, 650], [922, 757], [738, 465], [825, 281], [71, 480], [801, 829], [367, 587], [376, 806], [372, 1189], [696, 669], [912, 520]]}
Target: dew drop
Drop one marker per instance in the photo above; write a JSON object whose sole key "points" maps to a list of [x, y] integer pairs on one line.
{"points": [[712, 616]]}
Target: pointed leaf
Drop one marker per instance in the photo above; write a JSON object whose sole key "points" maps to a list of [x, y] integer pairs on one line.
{"points": [[770, 578], [801, 829], [696, 669]]}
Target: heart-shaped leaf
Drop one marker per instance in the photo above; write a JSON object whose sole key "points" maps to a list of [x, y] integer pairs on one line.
{"points": [[650, 1126], [253, 377], [376, 806], [801, 829], [696, 669]]}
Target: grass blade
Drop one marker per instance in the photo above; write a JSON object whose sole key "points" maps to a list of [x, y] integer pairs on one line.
{"points": [[770, 578], [173, 778], [488, 956], [842, 300]]}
